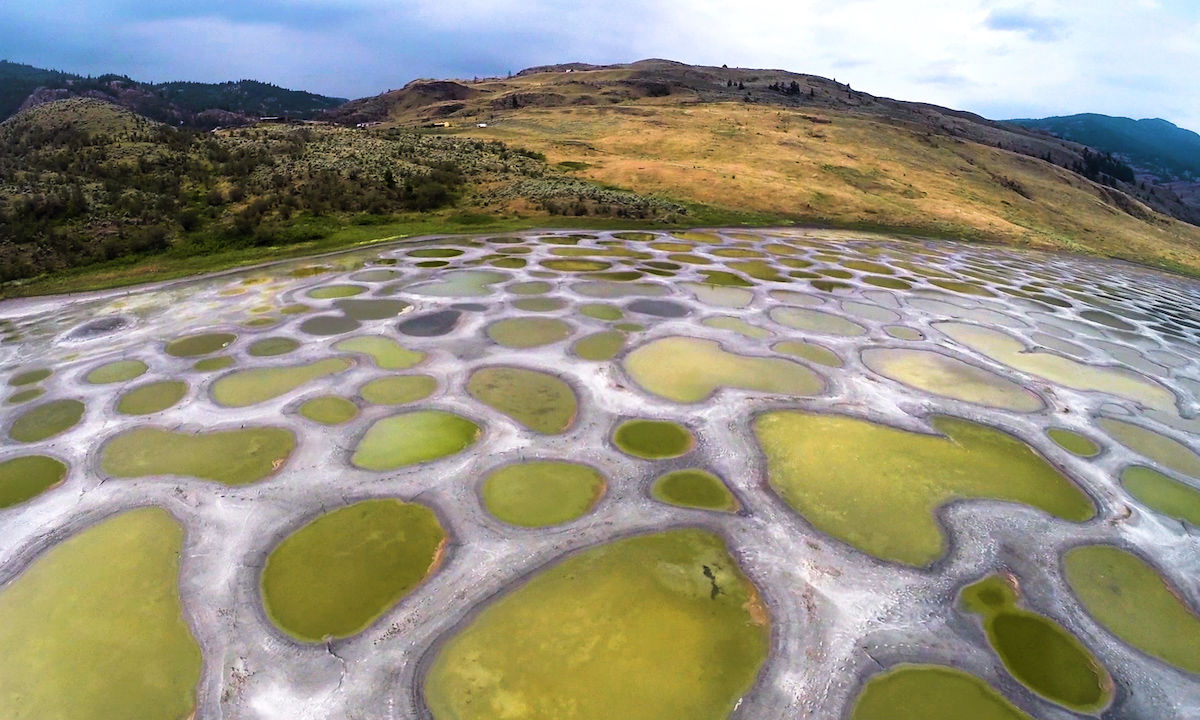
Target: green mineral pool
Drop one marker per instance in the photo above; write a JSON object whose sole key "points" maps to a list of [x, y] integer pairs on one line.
{"points": [[1073, 442], [220, 362], [816, 321], [690, 370], [1163, 494], [931, 692], [650, 627], [541, 493], [694, 488], [152, 397], [414, 437], [387, 353], [1006, 349], [600, 346], [94, 629], [336, 574], [527, 332], [269, 347], [943, 375], [118, 371], [231, 457], [1159, 448], [46, 420], [600, 311], [1041, 654], [24, 396], [329, 410], [737, 325], [540, 401], [462, 283], [877, 487], [202, 344], [249, 387], [336, 291], [810, 352], [398, 389], [26, 477], [29, 377], [1129, 597], [653, 439]]}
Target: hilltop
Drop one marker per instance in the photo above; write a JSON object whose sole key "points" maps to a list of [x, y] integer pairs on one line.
{"points": [[191, 104], [86, 183]]}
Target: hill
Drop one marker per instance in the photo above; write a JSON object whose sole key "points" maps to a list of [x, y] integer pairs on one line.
{"points": [[658, 84], [1154, 147], [84, 181], [202, 105]]}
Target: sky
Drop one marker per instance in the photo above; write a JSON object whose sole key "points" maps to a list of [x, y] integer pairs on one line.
{"points": [[1000, 58]]}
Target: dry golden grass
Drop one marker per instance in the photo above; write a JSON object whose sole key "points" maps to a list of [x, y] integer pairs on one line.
{"points": [[842, 168]]}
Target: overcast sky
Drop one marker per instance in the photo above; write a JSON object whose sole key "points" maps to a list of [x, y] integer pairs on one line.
{"points": [[1001, 58]]}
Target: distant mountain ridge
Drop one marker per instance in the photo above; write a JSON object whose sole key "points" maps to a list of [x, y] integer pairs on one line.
{"points": [[192, 104], [1153, 146]]}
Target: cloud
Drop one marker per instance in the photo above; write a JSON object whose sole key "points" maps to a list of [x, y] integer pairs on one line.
{"points": [[1036, 28], [1000, 57]]}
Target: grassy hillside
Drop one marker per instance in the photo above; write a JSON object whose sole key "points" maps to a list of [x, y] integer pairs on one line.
{"points": [[84, 182], [846, 168], [1154, 146]]}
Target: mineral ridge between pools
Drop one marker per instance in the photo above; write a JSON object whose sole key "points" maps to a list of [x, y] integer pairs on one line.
{"points": [[782, 473]]}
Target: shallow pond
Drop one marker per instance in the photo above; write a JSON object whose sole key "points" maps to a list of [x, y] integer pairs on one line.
{"points": [[398, 389], [694, 488], [329, 410], [689, 370], [93, 629], [152, 397], [931, 692], [118, 371], [943, 375], [46, 420], [820, 464], [527, 332], [594, 627], [26, 477], [230, 457], [197, 345], [1129, 597], [1037, 651], [339, 572], [539, 401], [250, 387], [653, 439], [414, 437], [387, 353], [541, 493]]}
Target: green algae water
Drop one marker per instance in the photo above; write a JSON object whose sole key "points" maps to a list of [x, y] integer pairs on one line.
{"points": [[250, 387], [823, 464], [1129, 597], [1160, 448], [1037, 651], [338, 573], [1073, 442], [94, 630], [1163, 494], [943, 375], [414, 437], [387, 353], [600, 346], [272, 346], [197, 345], [152, 397], [650, 627], [329, 410], [118, 371], [24, 478], [689, 370], [653, 439], [46, 420], [537, 400], [211, 364], [541, 493], [398, 389], [527, 332], [810, 352], [931, 692], [230, 457], [29, 377], [694, 488]]}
